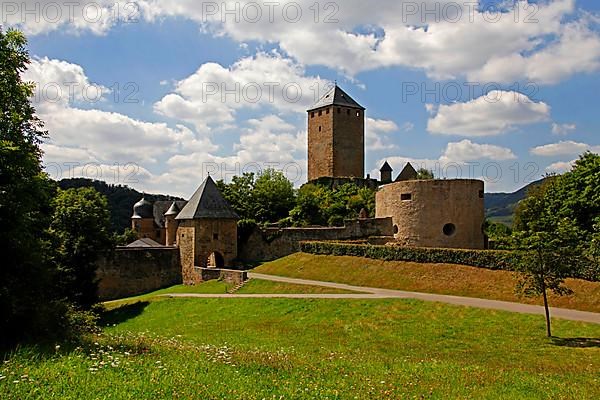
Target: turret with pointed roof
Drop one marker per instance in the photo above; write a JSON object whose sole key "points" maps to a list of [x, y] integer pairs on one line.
{"points": [[386, 173], [207, 203]]}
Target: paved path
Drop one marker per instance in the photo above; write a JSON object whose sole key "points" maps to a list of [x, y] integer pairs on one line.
{"points": [[377, 293]]}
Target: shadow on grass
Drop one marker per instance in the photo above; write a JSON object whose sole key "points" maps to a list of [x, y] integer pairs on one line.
{"points": [[123, 313], [576, 342]]}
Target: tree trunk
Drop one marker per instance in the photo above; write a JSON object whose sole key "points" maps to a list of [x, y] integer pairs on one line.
{"points": [[548, 330]]}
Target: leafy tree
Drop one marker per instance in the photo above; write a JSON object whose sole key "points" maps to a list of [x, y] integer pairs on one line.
{"points": [[425, 174], [273, 196], [549, 257], [81, 227], [27, 305], [239, 193], [320, 205], [498, 233]]}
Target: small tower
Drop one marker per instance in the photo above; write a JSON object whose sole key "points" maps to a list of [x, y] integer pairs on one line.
{"points": [[407, 174], [336, 137], [142, 220], [207, 232], [171, 224], [386, 173]]}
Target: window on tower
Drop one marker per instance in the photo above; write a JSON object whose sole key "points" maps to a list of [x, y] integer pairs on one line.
{"points": [[320, 112], [320, 128], [312, 114], [327, 111]]}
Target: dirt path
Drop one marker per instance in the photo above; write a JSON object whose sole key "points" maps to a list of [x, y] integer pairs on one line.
{"points": [[377, 293]]}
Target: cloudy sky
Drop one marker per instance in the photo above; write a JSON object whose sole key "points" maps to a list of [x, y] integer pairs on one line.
{"points": [[155, 94]]}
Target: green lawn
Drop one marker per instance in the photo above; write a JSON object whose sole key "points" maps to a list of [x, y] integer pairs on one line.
{"points": [[305, 349]]}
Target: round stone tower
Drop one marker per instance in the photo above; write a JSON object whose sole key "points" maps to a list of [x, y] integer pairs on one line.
{"points": [[435, 213], [142, 220]]}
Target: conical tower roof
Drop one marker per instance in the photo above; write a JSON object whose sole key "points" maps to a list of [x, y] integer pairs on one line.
{"points": [[336, 97], [173, 210], [407, 174], [207, 203], [386, 167]]}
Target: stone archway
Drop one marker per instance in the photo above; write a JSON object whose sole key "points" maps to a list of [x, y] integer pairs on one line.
{"points": [[215, 260]]}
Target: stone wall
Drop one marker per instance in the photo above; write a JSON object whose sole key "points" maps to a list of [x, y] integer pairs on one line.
{"points": [[198, 239], [134, 271], [227, 275], [273, 243], [435, 213]]}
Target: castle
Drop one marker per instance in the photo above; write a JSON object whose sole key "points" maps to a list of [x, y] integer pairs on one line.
{"points": [[409, 211]]}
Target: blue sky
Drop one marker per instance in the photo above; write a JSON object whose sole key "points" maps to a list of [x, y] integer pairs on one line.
{"points": [[511, 95]]}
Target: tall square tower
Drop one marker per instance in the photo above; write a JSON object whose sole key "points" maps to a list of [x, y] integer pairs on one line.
{"points": [[336, 137]]}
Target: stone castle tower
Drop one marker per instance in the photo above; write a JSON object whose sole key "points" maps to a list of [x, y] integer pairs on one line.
{"points": [[206, 232], [336, 137]]}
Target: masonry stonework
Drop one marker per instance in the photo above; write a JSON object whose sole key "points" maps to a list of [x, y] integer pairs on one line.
{"points": [[435, 213], [272, 243], [134, 271]]}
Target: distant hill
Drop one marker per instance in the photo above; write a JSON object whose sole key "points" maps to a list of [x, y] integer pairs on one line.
{"points": [[500, 207], [120, 199]]}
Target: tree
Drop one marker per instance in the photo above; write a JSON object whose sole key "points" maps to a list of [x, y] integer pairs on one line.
{"points": [[239, 193], [27, 305], [548, 259], [425, 174], [81, 227], [273, 196]]}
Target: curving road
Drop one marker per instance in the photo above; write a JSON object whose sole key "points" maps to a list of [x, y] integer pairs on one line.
{"points": [[377, 293]]}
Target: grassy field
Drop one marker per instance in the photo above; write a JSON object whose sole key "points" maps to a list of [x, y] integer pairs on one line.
{"points": [[307, 349], [254, 286], [430, 278]]}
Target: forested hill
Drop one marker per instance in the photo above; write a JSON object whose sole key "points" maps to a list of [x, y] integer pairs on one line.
{"points": [[120, 199], [500, 207]]}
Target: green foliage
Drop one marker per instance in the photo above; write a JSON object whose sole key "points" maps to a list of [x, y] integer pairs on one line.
{"points": [[267, 198], [128, 236], [497, 260], [273, 196], [425, 174], [27, 305], [498, 234], [81, 229], [320, 205], [120, 199], [573, 196], [548, 258]]}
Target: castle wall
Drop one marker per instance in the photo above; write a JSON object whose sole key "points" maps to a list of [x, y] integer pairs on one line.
{"points": [[435, 213], [198, 239], [273, 243], [135, 271]]}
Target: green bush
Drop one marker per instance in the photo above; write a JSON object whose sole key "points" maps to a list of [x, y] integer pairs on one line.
{"points": [[498, 260]]}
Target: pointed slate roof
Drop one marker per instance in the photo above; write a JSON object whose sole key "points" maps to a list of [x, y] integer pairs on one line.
{"points": [[386, 168], [407, 174], [173, 210], [207, 202], [336, 97]]}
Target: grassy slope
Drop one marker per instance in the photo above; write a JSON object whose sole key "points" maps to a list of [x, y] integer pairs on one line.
{"points": [[431, 278], [267, 348]]}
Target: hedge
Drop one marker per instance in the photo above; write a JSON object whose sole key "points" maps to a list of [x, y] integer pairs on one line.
{"points": [[490, 259]]}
